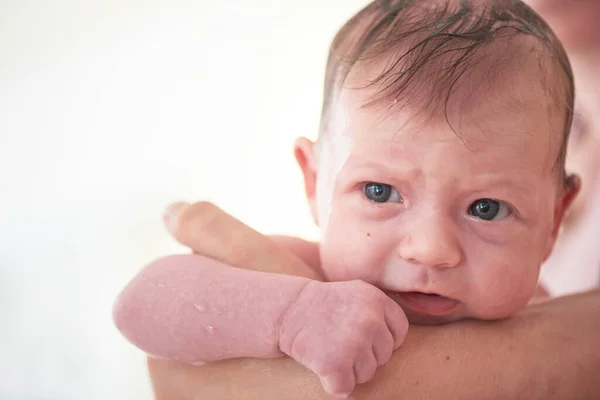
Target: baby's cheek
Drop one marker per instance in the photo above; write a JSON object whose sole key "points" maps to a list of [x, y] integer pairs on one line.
{"points": [[349, 254], [505, 289]]}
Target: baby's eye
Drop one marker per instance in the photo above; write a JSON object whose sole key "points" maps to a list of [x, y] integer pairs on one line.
{"points": [[382, 193], [489, 210]]}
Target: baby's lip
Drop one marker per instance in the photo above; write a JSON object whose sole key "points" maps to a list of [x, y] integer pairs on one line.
{"points": [[426, 303]]}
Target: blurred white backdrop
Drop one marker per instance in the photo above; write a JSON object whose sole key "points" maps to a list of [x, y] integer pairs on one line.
{"points": [[109, 110]]}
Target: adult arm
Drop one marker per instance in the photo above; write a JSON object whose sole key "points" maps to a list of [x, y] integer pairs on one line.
{"points": [[548, 351]]}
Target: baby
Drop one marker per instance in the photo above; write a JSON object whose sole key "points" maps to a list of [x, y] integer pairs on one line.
{"points": [[437, 180]]}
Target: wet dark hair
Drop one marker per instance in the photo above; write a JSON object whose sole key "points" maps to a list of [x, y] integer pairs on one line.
{"points": [[431, 45]]}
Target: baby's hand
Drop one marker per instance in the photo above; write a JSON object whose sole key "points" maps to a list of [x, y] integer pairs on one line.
{"points": [[342, 331]]}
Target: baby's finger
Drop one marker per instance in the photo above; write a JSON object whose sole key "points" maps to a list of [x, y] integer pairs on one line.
{"points": [[383, 346], [396, 321], [365, 366], [339, 385]]}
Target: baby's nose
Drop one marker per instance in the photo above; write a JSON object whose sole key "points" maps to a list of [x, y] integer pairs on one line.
{"points": [[432, 242]]}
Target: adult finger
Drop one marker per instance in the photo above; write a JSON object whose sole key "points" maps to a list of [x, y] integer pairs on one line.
{"points": [[208, 230]]}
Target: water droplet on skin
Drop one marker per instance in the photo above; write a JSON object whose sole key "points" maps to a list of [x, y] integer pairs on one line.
{"points": [[161, 285], [156, 357], [210, 329], [199, 307]]}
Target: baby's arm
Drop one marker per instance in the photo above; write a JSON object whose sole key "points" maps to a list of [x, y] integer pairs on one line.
{"points": [[206, 311], [194, 309]]}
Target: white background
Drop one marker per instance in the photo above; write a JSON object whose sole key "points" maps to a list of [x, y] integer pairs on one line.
{"points": [[109, 110]]}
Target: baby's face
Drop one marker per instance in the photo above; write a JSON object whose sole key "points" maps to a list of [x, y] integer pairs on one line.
{"points": [[451, 227]]}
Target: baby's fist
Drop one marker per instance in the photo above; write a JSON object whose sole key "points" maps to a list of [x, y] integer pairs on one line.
{"points": [[342, 331]]}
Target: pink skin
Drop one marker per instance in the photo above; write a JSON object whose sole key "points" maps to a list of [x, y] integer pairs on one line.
{"points": [[423, 248], [574, 21], [484, 269], [192, 309], [342, 331], [584, 158], [424, 241]]}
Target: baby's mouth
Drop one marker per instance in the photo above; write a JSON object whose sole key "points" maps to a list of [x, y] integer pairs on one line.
{"points": [[426, 303]]}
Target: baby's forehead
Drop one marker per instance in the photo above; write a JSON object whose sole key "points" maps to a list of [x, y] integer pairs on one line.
{"points": [[519, 62], [505, 123], [511, 90], [491, 69]]}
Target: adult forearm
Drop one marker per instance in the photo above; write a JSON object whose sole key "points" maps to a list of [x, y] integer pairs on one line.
{"points": [[549, 351]]}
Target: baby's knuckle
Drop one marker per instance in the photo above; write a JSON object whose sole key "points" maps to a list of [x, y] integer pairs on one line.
{"points": [[367, 322], [328, 365], [355, 344]]}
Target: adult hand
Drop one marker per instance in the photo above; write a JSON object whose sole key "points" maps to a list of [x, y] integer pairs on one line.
{"points": [[549, 351], [209, 231]]}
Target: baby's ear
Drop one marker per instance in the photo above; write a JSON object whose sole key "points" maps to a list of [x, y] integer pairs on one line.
{"points": [[569, 193], [304, 150], [565, 200]]}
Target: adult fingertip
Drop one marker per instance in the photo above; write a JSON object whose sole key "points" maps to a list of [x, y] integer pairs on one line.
{"points": [[172, 215]]}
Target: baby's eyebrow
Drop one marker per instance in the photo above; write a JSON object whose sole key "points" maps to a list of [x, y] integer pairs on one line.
{"points": [[397, 171], [523, 185], [379, 164]]}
